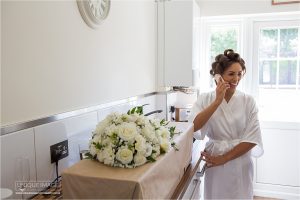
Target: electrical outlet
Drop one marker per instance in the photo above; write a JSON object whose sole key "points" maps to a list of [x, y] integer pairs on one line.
{"points": [[59, 151]]}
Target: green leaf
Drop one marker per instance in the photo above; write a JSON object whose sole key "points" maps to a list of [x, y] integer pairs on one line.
{"points": [[133, 110], [151, 159], [162, 151], [174, 146], [98, 145], [89, 155], [139, 110], [172, 131]]}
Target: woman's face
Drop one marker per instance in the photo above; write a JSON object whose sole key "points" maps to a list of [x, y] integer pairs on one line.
{"points": [[233, 74]]}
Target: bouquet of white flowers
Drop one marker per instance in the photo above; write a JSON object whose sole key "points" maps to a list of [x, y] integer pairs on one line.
{"points": [[130, 140]]}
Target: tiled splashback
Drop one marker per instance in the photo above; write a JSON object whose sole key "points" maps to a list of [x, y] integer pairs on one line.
{"points": [[35, 142]]}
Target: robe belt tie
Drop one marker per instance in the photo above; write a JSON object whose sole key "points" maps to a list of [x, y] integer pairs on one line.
{"points": [[219, 147]]}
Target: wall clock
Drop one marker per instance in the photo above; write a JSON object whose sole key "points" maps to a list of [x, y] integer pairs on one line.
{"points": [[93, 11]]}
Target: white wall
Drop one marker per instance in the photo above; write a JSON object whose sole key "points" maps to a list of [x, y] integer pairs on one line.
{"points": [[52, 62], [236, 7]]}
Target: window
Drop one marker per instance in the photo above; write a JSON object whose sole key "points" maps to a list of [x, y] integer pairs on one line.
{"points": [[278, 50], [277, 60], [219, 35], [223, 37]]}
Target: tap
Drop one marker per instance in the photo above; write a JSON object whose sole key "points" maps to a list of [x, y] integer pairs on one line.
{"points": [[153, 112]]}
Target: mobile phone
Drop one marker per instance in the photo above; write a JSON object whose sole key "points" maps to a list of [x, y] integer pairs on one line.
{"points": [[218, 78]]}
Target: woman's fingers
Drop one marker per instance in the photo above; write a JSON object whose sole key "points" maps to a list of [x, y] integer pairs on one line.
{"points": [[209, 165], [207, 158]]}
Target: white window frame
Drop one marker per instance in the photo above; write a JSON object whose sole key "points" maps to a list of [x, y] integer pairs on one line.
{"points": [[265, 24], [205, 26]]}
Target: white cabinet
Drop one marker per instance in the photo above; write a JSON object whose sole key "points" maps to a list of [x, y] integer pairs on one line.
{"points": [[277, 171], [176, 42], [13, 146]]}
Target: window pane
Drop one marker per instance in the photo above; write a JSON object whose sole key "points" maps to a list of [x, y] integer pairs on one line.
{"points": [[278, 49], [268, 43], [267, 73], [288, 42], [223, 38], [287, 72]]}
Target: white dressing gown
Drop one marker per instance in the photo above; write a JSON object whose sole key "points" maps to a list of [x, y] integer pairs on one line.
{"points": [[232, 123]]}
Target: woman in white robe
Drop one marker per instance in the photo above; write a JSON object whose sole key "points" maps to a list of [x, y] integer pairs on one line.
{"points": [[229, 119]]}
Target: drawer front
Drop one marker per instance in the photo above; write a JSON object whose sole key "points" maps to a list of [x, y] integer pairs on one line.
{"points": [[193, 190]]}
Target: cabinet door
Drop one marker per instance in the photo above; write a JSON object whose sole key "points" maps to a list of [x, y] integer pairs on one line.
{"points": [[280, 163], [13, 146], [175, 42]]}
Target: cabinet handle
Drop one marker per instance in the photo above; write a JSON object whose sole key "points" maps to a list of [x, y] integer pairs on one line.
{"points": [[202, 171], [197, 183]]}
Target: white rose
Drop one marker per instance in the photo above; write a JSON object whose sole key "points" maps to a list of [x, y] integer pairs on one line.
{"points": [[102, 125], [115, 118], [140, 144], [109, 161], [156, 148], [148, 150], [139, 159], [107, 142], [96, 139], [127, 131], [164, 133], [141, 120], [124, 155], [165, 145], [106, 153], [131, 118], [148, 132], [111, 130], [93, 150]]}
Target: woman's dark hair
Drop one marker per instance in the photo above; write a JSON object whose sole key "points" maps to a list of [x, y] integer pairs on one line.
{"points": [[223, 61]]}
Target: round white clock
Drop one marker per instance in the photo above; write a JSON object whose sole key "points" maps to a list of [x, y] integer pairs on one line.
{"points": [[93, 11]]}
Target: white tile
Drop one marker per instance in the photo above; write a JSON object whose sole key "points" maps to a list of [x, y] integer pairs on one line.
{"points": [[123, 108], [161, 102], [45, 136], [147, 100], [103, 113], [15, 145], [79, 124], [76, 129], [76, 143]]}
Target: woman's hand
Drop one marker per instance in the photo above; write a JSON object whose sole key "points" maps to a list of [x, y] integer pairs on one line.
{"points": [[222, 86], [213, 161]]}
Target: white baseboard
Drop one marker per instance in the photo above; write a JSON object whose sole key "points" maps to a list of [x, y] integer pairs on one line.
{"points": [[276, 191]]}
